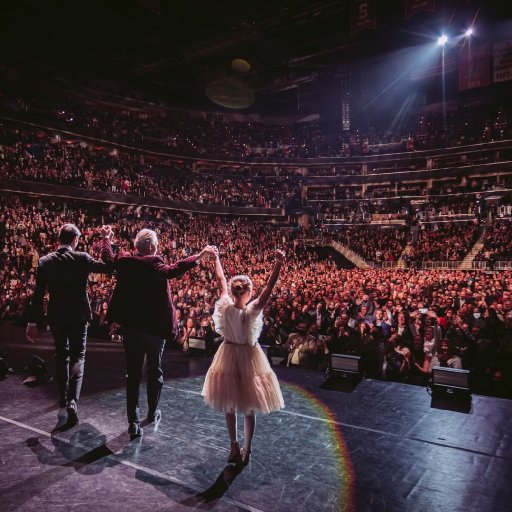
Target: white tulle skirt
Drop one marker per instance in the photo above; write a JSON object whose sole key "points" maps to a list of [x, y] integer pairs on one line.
{"points": [[241, 380]]}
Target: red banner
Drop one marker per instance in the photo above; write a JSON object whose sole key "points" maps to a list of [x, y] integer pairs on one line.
{"points": [[474, 66], [413, 6], [363, 14]]}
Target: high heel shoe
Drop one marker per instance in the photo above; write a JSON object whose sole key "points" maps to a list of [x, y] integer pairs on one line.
{"points": [[245, 457], [234, 454]]}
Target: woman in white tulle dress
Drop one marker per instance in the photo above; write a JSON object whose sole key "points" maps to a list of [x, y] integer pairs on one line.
{"points": [[240, 378]]}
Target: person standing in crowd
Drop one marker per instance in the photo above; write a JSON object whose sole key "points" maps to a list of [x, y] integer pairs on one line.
{"points": [[240, 378], [446, 356], [301, 346], [64, 274], [141, 309], [321, 318], [188, 331]]}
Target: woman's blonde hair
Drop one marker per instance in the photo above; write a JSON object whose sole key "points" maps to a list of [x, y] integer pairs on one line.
{"points": [[239, 285]]}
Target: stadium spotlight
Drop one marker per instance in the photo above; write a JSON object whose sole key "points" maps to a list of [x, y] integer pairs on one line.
{"points": [[469, 32], [442, 40]]}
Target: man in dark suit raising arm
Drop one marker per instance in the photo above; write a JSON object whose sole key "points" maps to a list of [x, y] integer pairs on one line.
{"points": [[142, 306], [64, 274]]}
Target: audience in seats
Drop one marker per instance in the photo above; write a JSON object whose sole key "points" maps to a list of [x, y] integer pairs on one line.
{"points": [[77, 164], [187, 135], [497, 243], [363, 312]]}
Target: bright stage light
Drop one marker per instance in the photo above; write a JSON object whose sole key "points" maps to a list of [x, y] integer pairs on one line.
{"points": [[442, 40], [469, 32]]}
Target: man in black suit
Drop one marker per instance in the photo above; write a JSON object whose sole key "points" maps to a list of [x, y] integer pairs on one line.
{"points": [[141, 308], [321, 318], [64, 274]]}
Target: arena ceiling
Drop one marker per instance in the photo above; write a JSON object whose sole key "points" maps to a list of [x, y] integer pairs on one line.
{"points": [[229, 52]]}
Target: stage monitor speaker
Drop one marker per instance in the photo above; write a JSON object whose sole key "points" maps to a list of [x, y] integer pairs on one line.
{"points": [[197, 343], [450, 379], [345, 364], [343, 373]]}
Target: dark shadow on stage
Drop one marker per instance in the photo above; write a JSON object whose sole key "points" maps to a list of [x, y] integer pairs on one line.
{"points": [[345, 383], [205, 500], [460, 402], [210, 497], [86, 451]]}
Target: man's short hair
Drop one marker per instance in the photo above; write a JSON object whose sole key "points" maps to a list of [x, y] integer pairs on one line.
{"points": [[144, 239], [68, 233]]}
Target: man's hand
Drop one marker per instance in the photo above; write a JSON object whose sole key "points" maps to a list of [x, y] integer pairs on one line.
{"points": [[106, 232], [31, 333], [280, 256], [209, 250]]}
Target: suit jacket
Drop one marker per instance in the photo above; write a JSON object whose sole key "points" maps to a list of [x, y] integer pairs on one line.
{"points": [[325, 321], [141, 298], [64, 274], [458, 302]]}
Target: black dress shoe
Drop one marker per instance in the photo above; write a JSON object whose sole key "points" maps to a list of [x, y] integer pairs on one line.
{"points": [[155, 417], [72, 413], [134, 429]]}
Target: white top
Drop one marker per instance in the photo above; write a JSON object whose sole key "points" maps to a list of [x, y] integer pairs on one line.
{"points": [[240, 326]]}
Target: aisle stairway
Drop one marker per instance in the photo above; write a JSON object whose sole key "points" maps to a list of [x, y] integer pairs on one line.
{"points": [[352, 256], [467, 262]]}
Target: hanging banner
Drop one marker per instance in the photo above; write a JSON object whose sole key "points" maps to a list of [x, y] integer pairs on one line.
{"points": [[474, 66], [363, 14], [413, 6], [502, 61]]}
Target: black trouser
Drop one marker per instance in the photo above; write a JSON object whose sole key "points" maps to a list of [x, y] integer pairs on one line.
{"points": [[138, 344], [70, 341]]}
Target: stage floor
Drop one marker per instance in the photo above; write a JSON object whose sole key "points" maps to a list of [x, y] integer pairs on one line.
{"points": [[374, 446]]}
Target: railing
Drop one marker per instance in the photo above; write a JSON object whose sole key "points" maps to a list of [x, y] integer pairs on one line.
{"points": [[51, 190], [450, 219], [502, 265], [434, 265], [438, 265], [41, 121], [321, 241], [383, 264], [487, 265]]}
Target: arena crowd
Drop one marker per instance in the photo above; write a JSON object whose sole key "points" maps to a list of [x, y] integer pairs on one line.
{"points": [[456, 318]]}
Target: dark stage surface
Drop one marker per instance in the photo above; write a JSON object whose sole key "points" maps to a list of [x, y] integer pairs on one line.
{"points": [[378, 446]]}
